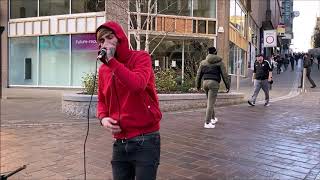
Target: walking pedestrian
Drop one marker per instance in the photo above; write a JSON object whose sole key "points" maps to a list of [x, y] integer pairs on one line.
{"points": [[279, 61], [128, 105], [296, 57], [262, 77], [318, 61], [286, 62], [211, 70], [291, 62], [308, 65]]}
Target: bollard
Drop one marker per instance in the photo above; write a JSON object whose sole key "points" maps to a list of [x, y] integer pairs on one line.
{"points": [[238, 77], [304, 73]]}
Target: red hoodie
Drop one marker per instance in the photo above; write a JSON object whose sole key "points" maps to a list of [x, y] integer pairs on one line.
{"points": [[127, 91]]}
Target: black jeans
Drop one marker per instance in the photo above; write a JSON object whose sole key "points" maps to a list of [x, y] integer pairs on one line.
{"points": [[137, 158]]}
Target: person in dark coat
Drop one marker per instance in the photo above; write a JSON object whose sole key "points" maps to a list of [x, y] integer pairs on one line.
{"points": [[211, 70], [307, 64]]}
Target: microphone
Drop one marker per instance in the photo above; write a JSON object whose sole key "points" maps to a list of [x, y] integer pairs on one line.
{"points": [[102, 53]]}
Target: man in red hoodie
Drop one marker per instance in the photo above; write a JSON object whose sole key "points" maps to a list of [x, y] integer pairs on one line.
{"points": [[128, 105]]}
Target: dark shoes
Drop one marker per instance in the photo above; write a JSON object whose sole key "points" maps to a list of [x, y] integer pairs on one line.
{"points": [[267, 104], [251, 103], [310, 87]]}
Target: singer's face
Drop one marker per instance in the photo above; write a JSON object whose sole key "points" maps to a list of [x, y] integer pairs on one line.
{"points": [[108, 41]]}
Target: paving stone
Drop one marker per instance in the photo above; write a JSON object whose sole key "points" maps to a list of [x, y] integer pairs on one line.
{"points": [[277, 142]]}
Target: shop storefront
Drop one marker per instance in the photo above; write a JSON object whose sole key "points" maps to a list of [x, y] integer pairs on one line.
{"points": [[50, 43], [60, 60], [238, 43], [179, 34]]}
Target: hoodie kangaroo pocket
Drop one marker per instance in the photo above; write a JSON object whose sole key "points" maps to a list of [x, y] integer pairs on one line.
{"points": [[152, 108]]}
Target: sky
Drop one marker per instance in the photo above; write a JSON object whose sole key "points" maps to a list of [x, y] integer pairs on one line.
{"points": [[303, 26]]}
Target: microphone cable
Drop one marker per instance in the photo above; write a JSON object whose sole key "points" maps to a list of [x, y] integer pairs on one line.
{"points": [[88, 124]]}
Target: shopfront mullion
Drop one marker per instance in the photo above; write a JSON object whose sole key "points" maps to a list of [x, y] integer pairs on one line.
{"points": [[70, 62], [182, 64], [38, 7], [38, 60]]}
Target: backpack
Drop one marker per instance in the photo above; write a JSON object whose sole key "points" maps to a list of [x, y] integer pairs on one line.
{"points": [[306, 63]]}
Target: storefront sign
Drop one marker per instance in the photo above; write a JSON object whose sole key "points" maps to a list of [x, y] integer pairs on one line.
{"points": [[281, 29], [84, 42], [287, 10]]}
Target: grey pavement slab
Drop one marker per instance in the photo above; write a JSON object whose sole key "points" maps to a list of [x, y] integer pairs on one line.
{"points": [[284, 83], [281, 141]]}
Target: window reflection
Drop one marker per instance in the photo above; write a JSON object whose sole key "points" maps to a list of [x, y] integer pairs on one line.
{"points": [[168, 54], [54, 60], [143, 6], [237, 16], [23, 61], [54, 7], [23, 8], [204, 8], [83, 6], [174, 7], [236, 55]]}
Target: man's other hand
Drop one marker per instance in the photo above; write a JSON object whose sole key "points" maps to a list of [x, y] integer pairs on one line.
{"points": [[111, 124]]}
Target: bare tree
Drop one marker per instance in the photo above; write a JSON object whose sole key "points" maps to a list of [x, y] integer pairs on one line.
{"points": [[142, 15], [316, 39]]}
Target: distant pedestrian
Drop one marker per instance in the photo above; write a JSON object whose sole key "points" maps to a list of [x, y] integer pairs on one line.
{"points": [[211, 70], [312, 60], [291, 62], [307, 64], [271, 61], [279, 61], [286, 62], [318, 62], [297, 57], [262, 77]]}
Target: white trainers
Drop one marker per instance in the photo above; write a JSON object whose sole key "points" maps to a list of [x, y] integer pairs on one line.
{"points": [[215, 120], [209, 125]]}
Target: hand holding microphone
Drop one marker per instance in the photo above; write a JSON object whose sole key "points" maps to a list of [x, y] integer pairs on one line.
{"points": [[102, 54], [107, 52]]}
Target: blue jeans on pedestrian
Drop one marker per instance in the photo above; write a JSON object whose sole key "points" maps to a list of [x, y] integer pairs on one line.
{"points": [[136, 158], [261, 84]]}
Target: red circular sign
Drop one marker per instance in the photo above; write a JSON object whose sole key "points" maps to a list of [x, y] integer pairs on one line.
{"points": [[269, 39]]}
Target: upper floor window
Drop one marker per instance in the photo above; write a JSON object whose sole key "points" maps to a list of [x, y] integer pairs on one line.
{"points": [[134, 6], [54, 7], [237, 16], [174, 7], [204, 8], [23, 8], [83, 6], [29, 8], [196, 8]]}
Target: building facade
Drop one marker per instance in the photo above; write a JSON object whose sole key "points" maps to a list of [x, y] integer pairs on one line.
{"points": [[52, 43], [176, 32]]}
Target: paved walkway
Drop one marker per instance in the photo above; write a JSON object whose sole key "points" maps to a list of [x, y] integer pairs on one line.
{"points": [[277, 142]]}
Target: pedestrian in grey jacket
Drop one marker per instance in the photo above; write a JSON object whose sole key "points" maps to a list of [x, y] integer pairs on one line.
{"points": [[308, 65], [211, 70]]}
